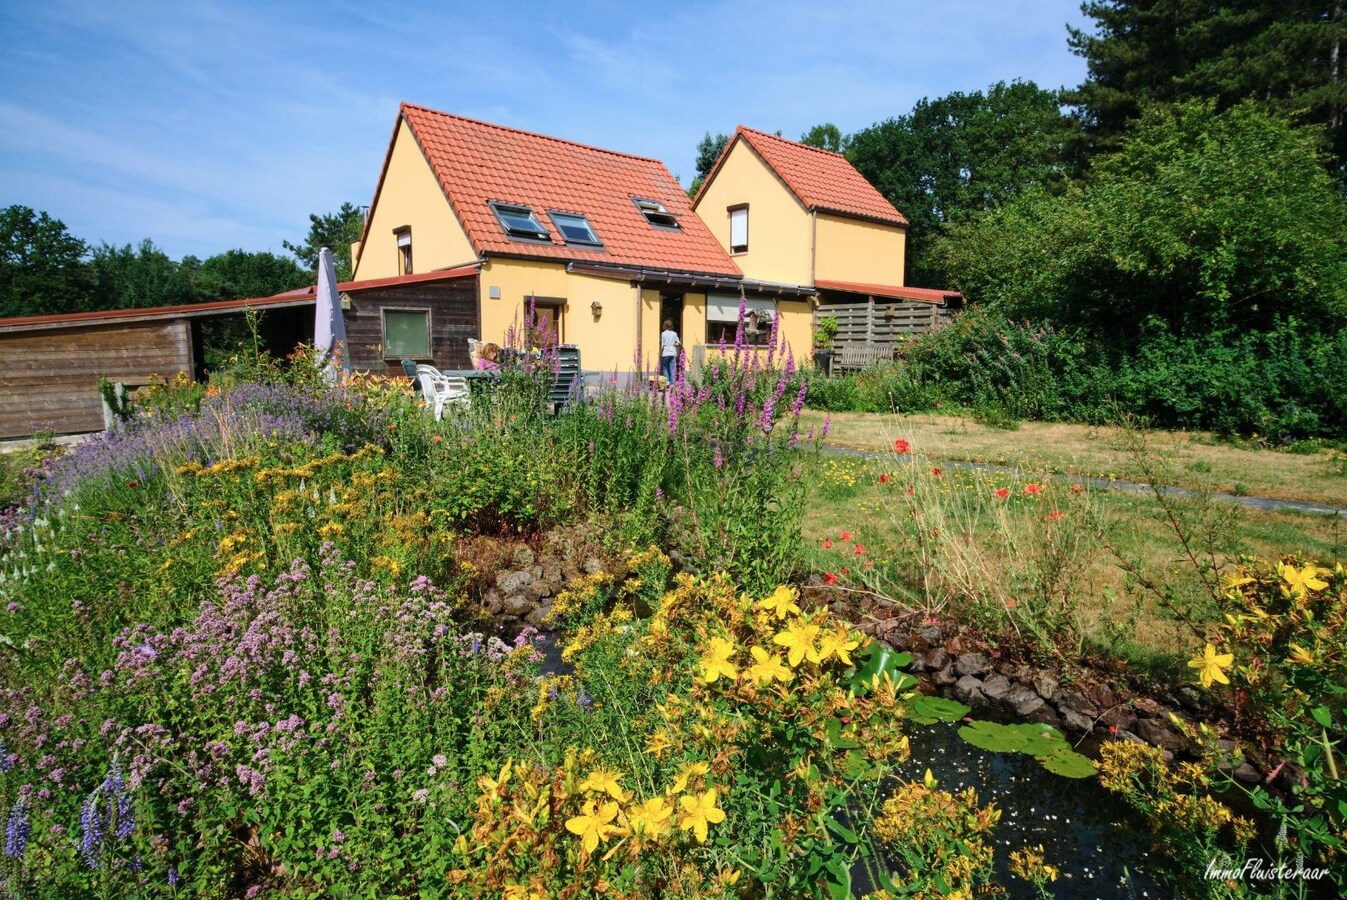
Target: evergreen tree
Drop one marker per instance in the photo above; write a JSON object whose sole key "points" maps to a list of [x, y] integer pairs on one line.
{"points": [[337, 231], [42, 268]]}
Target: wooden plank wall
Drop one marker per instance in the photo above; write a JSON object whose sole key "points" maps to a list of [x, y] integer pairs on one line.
{"points": [[883, 323], [49, 378], [453, 320]]}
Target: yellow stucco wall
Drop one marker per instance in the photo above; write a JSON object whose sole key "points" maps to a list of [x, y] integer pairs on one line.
{"points": [[411, 195], [606, 341], [779, 228], [856, 250]]}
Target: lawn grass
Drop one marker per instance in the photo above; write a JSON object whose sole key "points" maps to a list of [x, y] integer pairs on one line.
{"points": [[1199, 460], [1115, 617]]}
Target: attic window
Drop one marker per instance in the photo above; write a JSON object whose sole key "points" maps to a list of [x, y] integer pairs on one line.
{"points": [[575, 228], [520, 222], [655, 213]]}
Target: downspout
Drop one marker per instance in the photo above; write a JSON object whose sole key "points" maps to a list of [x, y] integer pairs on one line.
{"points": [[639, 361], [813, 246]]}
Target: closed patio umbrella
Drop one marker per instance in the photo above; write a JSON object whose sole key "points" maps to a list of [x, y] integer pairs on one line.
{"points": [[329, 328]]}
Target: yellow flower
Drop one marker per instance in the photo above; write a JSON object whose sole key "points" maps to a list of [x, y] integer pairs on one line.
{"points": [[1211, 665], [835, 643], [649, 818], [767, 667], [593, 827], [781, 602], [1299, 582], [799, 640], [491, 785], [1300, 655], [604, 781], [691, 770], [716, 661], [699, 812]]}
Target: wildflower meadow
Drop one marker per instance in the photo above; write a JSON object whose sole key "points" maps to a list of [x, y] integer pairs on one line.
{"points": [[248, 649]]}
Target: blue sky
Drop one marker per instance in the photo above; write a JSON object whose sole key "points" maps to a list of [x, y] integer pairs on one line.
{"points": [[212, 125]]}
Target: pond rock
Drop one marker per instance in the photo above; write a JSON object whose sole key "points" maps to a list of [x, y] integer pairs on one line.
{"points": [[1046, 684], [944, 677], [971, 664], [1075, 722], [1119, 717], [1247, 774], [1045, 715], [1022, 700], [996, 687], [966, 686], [1162, 735], [513, 582], [937, 659], [1076, 702]]}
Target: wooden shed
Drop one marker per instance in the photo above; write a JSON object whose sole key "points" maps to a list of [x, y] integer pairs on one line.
{"points": [[50, 366]]}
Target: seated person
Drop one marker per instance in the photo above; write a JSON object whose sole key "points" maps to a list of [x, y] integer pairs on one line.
{"points": [[487, 360]]}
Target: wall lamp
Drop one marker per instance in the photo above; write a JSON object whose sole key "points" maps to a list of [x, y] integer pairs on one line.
{"points": [[596, 308]]}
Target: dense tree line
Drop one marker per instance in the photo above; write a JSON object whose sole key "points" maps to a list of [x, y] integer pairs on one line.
{"points": [[46, 270]]}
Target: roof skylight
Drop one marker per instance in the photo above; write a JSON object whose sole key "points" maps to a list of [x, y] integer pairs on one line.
{"points": [[655, 213], [575, 228], [520, 222]]}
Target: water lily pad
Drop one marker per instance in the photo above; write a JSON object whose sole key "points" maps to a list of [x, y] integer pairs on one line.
{"points": [[1068, 764], [926, 710], [995, 737], [881, 660]]}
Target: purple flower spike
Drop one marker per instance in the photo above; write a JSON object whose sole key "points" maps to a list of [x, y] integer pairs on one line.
{"points": [[17, 830]]}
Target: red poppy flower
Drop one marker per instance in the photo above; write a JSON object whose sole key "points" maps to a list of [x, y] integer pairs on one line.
{"points": [[1076, 488], [1113, 729], [884, 479], [1003, 493], [843, 572], [911, 490], [860, 550], [846, 535], [1055, 515], [935, 470], [829, 578], [1033, 487], [869, 565], [1010, 604], [827, 543], [133, 484], [901, 446]]}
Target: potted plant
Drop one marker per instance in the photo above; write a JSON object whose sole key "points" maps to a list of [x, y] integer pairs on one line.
{"points": [[825, 333]]}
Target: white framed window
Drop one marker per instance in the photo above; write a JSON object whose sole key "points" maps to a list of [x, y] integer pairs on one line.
{"points": [[739, 228], [722, 319], [406, 333], [519, 222], [575, 228]]}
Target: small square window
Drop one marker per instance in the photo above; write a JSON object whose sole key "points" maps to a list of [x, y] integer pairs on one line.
{"points": [[520, 222], [575, 228], [406, 333], [655, 213]]}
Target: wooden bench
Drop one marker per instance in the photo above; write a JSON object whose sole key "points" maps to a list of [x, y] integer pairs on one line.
{"points": [[854, 357]]}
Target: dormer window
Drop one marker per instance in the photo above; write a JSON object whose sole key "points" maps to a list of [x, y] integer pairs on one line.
{"points": [[520, 222], [655, 213], [575, 228]]}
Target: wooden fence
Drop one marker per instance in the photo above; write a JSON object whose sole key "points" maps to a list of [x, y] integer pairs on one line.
{"points": [[874, 330]]}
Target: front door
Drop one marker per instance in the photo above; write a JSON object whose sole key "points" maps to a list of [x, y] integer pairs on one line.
{"points": [[671, 309]]}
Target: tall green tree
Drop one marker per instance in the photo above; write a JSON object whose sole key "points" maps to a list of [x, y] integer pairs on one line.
{"points": [[826, 137], [129, 277], [1205, 220], [337, 231], [1286, 55], [42, 266], [708, 151], [237, 274], [958, 155]]}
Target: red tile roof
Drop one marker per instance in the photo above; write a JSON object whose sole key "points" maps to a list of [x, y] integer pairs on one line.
{"points": [[819, 178], [477, 162], [926, 295]]}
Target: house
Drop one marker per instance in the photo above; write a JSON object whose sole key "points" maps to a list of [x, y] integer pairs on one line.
{"points": [[789, 212], [602, 246]]}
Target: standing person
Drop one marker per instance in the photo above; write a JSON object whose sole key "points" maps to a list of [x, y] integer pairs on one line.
{"points": [[668, 352]]}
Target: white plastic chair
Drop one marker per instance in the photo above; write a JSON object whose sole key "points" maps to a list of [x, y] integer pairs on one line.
{"points": [[440, 389]]}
